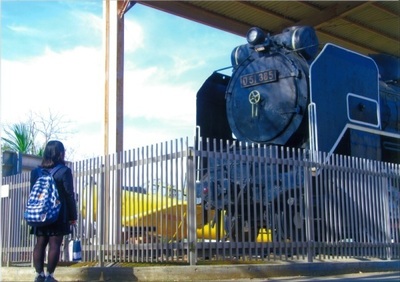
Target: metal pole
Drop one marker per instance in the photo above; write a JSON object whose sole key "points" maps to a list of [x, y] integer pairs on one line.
{"points": [[106, 16], [104, 184], [1, 175], [120, 79], [192, 235], [308, 187], [119, 117]]}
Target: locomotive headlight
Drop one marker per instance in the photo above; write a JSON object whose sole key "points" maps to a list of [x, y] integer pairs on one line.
{"points": [[255, 36]]}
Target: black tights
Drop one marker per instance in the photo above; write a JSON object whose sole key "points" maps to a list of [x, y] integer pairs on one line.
{"points": [[40, 251]]}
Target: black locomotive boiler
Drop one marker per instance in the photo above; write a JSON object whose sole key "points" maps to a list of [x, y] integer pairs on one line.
{"points": [[285, 91]]}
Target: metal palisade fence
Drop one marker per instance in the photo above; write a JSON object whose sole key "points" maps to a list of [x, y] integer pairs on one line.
{"points": [[220, 200]]}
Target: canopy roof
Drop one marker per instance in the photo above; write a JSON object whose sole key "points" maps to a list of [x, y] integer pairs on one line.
{"points": [[367, 27]]}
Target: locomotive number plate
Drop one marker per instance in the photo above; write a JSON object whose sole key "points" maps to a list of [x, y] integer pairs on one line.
{"points": [[258, 78]]}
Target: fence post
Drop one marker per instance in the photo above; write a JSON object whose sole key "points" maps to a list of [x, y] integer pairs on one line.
{"points": [[191, 201], [2, 229], [308, 198], [104, 176], [385, 184]]}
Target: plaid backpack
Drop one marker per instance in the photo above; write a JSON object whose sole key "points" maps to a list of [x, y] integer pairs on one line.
{"points": [[44, 203]]}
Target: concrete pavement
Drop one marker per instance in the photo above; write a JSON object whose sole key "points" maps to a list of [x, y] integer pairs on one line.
{"points": [[236, 272]]}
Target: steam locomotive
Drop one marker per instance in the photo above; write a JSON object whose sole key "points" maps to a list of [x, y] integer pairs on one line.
{"points": [[285, 91]]}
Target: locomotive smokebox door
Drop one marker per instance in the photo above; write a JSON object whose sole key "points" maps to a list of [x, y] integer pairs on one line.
{"points": [[267, 98], [344, 94]]}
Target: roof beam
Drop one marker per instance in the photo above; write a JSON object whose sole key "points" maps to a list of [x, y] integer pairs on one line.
{"points": [[194, 13], [341, 10], [337, 10], [124, 6], [281, 17]]}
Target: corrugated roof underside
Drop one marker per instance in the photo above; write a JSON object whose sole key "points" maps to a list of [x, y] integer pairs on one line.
{"points": [[363, 26]]}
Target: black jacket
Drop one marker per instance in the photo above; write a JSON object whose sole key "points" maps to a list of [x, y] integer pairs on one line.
{"points": [[65, 186]]}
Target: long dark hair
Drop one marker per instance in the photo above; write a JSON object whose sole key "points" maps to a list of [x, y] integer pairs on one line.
{"points": [[53, 154]]}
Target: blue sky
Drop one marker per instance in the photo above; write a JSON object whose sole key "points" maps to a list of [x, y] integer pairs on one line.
{"points": [[52, 60]]}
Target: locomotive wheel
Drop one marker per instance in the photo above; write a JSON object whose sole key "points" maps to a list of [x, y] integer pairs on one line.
{"points": [[245, 232], [290, 229], [289, 222]]}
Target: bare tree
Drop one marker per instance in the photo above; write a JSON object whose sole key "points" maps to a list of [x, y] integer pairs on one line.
{"points": [[47, 127]]}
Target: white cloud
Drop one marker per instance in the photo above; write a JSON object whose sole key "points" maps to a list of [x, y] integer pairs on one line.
{"points": [[90, 21], [182, 65], [24, 30], [133, 38], [69, 82], [147, 96]]}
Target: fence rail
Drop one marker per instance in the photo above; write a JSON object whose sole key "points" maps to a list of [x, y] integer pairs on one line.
{"points": [[220, 201]]}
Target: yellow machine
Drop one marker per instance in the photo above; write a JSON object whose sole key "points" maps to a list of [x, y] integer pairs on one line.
{"points": [[165, 216]]}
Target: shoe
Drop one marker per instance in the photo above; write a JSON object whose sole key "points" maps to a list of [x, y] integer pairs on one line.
{"points": [[40, 278], [50, 279]]}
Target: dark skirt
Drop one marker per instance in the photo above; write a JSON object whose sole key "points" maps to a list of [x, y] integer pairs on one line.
{"points": [[55, 229]]}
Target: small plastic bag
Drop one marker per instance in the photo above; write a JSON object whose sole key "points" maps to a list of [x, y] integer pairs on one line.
{"points": [[74, 246]]}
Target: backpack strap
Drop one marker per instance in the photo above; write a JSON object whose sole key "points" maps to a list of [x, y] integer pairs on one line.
{"points": [[52, 173], [55, 169]]}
